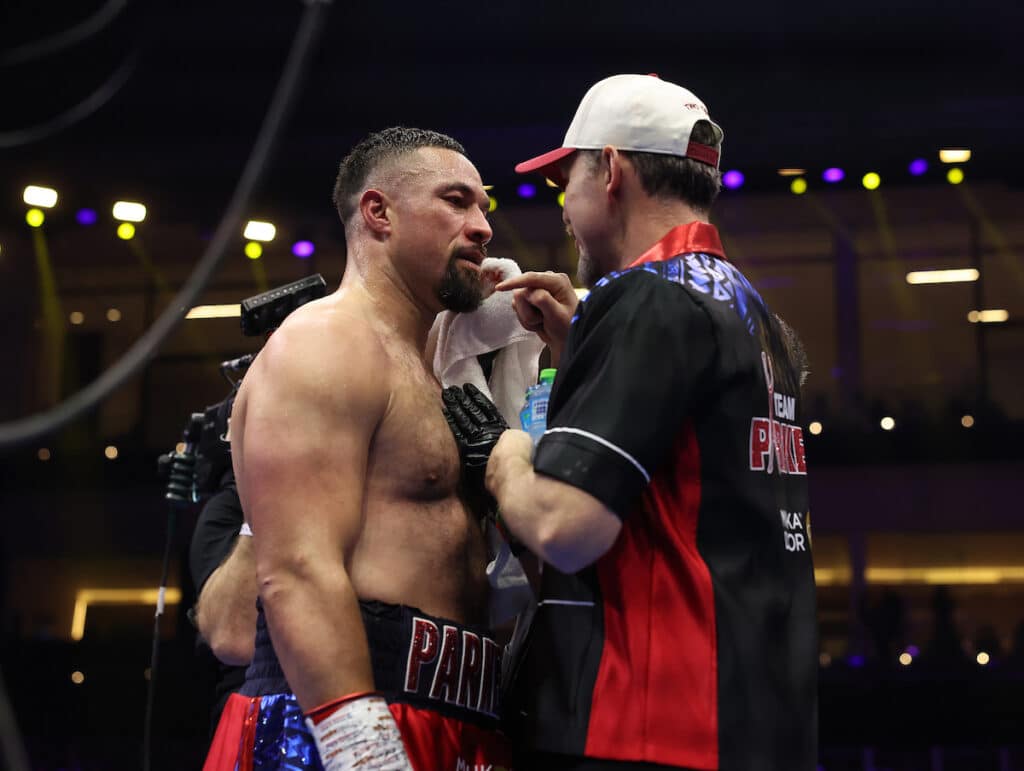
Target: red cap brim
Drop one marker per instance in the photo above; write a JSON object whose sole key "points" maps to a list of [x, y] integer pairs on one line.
{"points": [[546, 164]]}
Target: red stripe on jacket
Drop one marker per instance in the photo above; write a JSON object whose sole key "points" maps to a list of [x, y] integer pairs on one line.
{"points": [[656, 694]]}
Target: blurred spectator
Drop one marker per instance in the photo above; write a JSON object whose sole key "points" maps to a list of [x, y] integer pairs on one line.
{"points": [[944, 651], [886, 623]]}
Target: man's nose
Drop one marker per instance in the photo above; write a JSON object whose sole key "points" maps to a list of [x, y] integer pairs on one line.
{"points": [[479, 228]]}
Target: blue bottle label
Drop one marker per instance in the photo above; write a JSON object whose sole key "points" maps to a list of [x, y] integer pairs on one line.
{"points": [[540, 410]]}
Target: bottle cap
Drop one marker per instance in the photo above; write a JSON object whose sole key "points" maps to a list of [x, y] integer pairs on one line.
{"points": [[548, 375]]}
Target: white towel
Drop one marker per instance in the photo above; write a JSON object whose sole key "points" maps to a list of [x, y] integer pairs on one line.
{"points": [[494, 326], [461, 337]]}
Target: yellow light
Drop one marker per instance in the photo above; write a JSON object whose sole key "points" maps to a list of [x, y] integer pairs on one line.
{"points": [[76, 317], [791, 172], [259, 231], [180, 447], [990, 574], [113, 314], [34, 217], [110, 451], [828, 577], [77, 677], [215, 312], [35, 195], [887, 423], [43, 454], [955, 176], [871, 180], [954, 276], [990, 316], [983, 658], [906, 659], [253, 250], [580, 292], [126, 231], [561, 199], [86, 597], [951, 155], [824, 659], [492, 203], [815, 427], [129, 211], [967, 421], [798, 186], [550, 183], [933, 575]]}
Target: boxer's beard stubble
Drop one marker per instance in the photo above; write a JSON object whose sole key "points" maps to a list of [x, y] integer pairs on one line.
{"points": [[460, 290]]}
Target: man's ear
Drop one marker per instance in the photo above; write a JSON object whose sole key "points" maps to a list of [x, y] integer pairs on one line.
{"points": [[611, 167], [375, 209]]}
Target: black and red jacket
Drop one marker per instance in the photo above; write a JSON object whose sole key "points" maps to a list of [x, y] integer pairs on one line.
{"points": [[693, 641]]}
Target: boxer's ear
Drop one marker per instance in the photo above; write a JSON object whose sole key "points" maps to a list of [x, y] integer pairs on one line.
{"points": [[375, 209]]}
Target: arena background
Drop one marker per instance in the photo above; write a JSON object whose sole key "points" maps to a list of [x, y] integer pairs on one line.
{"points": [[915, 405]]}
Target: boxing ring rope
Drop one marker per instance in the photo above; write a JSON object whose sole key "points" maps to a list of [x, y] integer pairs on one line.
{"points": [[39, 49], [23, 430]]}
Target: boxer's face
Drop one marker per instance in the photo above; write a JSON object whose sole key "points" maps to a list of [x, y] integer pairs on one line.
{"points": [[586, 216], [441, 229]]}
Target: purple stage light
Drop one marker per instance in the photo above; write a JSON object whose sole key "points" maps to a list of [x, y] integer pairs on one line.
{"points": [[86, 216], [303, 249], [913, 650], [918, 167], [833, 175], [526, 190], [856, 660], [733, 179]]}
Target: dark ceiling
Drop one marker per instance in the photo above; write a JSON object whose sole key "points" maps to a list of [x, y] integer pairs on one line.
{"points": [[869, 84]]}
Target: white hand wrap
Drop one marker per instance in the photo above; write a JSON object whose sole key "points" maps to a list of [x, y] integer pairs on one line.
{"points": [[360, 734]]}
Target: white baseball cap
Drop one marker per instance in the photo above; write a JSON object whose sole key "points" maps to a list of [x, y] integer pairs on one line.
{"points": [[642, 113]]}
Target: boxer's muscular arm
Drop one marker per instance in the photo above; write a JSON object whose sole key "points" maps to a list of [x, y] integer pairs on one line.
{"points": [[563, 525], [308, 424]]}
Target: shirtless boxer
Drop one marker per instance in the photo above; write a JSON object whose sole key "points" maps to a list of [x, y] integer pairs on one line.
{"points": [[370, 566]]}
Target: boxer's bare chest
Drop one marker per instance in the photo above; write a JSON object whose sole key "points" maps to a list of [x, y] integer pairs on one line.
{"points": [[414, 450]]}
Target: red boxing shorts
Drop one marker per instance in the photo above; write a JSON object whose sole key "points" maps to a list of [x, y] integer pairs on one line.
{"points": [[440, 680]]}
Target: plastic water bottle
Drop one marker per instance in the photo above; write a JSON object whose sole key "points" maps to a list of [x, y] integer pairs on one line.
{"points": [[534, 415]]}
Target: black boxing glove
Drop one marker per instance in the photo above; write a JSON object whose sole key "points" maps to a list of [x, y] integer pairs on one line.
{"points": [[476, 424]]}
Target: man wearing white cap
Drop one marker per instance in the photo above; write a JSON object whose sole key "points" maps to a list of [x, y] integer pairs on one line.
{"points": [[676, 625]]}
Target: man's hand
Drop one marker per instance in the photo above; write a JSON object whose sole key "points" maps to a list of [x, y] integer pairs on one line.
{"points": [[476, 424], [545, 304]]}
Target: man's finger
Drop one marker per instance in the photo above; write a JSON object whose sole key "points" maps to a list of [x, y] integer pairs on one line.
{"points": [[542, 300], [556, 283], [487, 407], [469, 427], [530, 317], [471, 408], [453, 425]]}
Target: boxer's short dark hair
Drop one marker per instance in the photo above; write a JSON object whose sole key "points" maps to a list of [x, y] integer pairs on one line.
{"points": [[379, 147]]}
